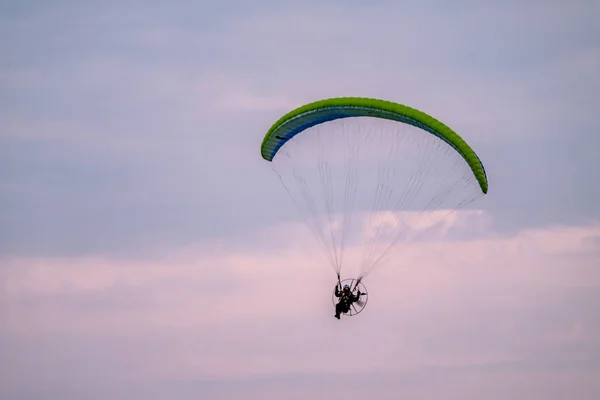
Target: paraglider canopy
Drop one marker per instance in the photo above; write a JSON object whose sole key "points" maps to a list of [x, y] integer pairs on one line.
{"points": [[371, 172], [323, 111]]}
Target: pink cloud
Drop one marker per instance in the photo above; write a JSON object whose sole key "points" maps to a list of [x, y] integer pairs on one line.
{"points": [[273, 308]]}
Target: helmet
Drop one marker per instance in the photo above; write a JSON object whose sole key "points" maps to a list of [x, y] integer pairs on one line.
{"points": [[346, 287]]}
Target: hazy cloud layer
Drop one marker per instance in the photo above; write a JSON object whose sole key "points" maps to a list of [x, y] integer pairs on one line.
{"points": [[130, 127], [261, 322]]}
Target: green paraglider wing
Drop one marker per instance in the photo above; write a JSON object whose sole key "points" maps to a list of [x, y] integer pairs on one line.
{"points": [[326, 110]]}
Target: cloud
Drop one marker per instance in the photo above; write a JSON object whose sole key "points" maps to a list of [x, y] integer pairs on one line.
{"points": [[140, 119], [219, 310]]}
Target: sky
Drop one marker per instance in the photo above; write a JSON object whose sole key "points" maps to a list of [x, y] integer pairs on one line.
{"points": [[147, 251]]}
